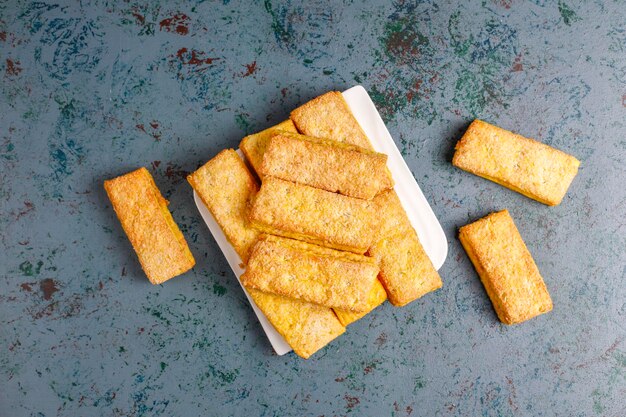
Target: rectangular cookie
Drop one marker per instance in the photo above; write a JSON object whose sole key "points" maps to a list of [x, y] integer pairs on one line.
{"points": [[225, 185], [396, 229], [347, 169], [313, 215], [506, 268], [311, 273], [376, 297], [393, 218], [157, 240], [307, 327], [253, 146], [531, 168], [406, 271], [328, 116]]}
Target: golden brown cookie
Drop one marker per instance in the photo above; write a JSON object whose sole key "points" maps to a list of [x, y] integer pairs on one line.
{"points": [[328, 116], [524, 165], [406, 271], [376, 297], [253, 146], [347, 170], [312, 273], [506, 268], [307, 327], [313, 215], [226, 186], [157, 240]]}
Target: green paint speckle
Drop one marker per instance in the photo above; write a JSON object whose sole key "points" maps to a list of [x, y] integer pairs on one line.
{"points": [[597, 396], [64, 155], [67, 108], [7, 153], [405, 146], [219, 290], [122, 349], [461, 47], [201, 344], [280, 32], [470, 92], [388, 102], [419, 384], [29, 270], [159, 315], [225, 377], [568, 15], [163, 366], [483, 56], [243, 123]]}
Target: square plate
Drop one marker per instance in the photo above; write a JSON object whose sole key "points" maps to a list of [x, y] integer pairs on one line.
{"points": [[421, 215]]}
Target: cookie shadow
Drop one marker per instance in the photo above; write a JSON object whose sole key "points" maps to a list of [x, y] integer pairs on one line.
{"points": [[452, 134]]}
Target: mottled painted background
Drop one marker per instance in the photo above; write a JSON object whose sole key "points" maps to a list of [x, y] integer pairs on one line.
{"points": [[93, 90]]}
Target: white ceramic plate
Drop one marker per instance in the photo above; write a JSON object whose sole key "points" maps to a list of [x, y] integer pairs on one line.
{"points": [[421, 215]]}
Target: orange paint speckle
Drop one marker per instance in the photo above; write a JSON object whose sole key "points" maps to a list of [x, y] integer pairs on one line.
{"points": [[13, 67], [250, 69]]}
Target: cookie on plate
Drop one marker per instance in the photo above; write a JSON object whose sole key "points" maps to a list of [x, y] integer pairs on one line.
{"points": [[312, 273], [329, 165], [253, 146], [313, 215], [328, 116]]}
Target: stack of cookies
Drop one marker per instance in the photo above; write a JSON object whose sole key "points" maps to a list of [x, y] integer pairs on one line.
{"points": [[324, 238], [321, 233]]}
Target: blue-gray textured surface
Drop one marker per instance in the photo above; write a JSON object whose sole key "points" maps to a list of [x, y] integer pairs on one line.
{"points": [[90, 91]]}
